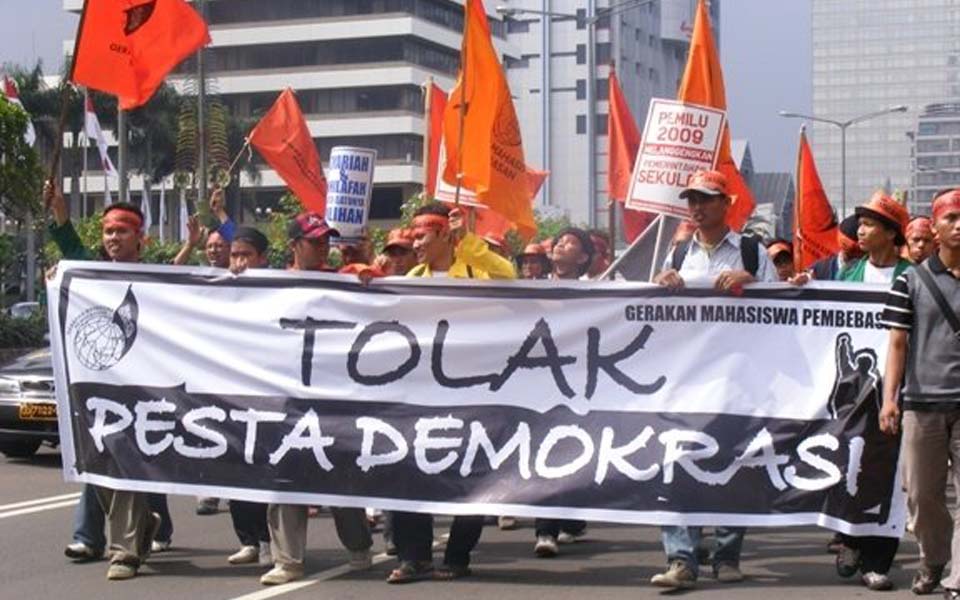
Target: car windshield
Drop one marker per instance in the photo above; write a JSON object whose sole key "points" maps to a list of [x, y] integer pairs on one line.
{"points": [[38, 360]]}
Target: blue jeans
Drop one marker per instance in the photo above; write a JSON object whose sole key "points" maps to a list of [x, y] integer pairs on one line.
{"points": [[680, 543], [89, 519]]}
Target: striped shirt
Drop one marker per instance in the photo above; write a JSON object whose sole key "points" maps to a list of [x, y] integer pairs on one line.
{"points": [[932, 376]]}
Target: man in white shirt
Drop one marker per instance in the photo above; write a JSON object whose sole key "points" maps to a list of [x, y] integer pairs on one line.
{"points": [[727, 261]]}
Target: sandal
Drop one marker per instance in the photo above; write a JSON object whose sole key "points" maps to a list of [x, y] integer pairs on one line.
{"points": [[451, 572], [410, 571]]}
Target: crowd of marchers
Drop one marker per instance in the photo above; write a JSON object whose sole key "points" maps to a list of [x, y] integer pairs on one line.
{"points": [[918, 259]]}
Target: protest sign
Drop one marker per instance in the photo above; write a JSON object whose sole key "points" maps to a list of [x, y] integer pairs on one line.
{"points": [[608, 402], [678, 140], [349, 189]]}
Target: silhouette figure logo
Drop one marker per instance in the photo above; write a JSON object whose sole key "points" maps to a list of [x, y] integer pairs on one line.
{"points": [[102, 337]]}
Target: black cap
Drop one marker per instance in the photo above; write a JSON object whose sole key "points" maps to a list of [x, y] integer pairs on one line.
{"points": [[849, 226], [252, 236]]}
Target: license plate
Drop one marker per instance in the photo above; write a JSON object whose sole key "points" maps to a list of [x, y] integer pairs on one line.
{"points": [[30, 411]]}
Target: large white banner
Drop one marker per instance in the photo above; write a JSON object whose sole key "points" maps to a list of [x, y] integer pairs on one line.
{"points": [[602, 401]]}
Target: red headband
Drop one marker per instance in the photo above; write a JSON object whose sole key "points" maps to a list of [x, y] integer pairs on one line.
{"points": [[946, 202], [436, 222], [919, 224], [124, 218]]}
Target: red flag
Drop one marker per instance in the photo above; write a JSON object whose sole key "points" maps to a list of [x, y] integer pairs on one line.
{"points": [[814, 224], [12, 94], [702, 84], [492, 163], [284, 140], [437, 99], [624, 140], [127, 47]]}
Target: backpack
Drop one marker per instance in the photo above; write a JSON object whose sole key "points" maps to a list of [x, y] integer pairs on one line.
{"points": [[749, 254]]}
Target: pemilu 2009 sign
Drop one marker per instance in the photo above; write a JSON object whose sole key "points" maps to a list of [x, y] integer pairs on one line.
{"points": [[610, 402]]}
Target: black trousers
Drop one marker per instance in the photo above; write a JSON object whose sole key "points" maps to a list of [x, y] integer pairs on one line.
{"points": [[413, 536], [876, 553], [553, 527], [249, 522]]}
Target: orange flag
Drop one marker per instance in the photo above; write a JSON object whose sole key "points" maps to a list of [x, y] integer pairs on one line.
{"points": [[702, 84], [814, 224], [284, 140], [127, 47], [492, 163], [438, 104], [624, 139]]}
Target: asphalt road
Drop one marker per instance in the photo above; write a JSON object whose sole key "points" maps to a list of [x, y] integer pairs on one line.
{"points": [[36, 512]]}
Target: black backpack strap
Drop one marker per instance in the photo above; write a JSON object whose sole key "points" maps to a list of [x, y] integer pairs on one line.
{"points": [[750, 254], [469, 272], [926, 277], [679, 254]]}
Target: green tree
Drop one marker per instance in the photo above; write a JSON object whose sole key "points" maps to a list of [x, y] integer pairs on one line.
{"points": [[20, 175]]}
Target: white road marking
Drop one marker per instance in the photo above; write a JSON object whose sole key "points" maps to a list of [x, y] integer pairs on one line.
{"points": [[73, 496], [40, 508], [331, 573]]}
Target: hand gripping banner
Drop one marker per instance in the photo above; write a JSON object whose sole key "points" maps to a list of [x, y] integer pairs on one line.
{"points": [[608, 402]]}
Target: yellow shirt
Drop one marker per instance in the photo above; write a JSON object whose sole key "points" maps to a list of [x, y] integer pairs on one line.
{"points": [[473, 259]]}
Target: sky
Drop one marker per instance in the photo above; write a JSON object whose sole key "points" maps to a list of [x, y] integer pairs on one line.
{"points": [[764, 47]]}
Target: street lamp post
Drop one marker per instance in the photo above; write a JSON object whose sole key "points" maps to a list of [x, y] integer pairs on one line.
{"points": [[593, 16], [844, 125]]}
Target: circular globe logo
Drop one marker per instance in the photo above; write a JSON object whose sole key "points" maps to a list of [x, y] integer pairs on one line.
{"points": [[102, 337]]}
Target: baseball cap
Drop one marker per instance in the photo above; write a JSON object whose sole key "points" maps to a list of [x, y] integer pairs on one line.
{"points": [[711, 183], [399, 238], [310, 225]]}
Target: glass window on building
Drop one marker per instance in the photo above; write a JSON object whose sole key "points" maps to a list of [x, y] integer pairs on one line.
{"points": [[581, 124], [581, 89]]}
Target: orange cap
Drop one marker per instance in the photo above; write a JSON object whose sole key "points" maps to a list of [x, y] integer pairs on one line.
{"points": [[534, 250], [494, 240], [711, 183], [777, 247], [402, 238], [888, 210]]}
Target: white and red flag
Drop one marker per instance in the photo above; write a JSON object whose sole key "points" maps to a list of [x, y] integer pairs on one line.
{"points": [[12, 94], [91, 128]]}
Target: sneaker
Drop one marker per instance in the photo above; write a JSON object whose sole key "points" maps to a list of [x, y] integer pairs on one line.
{"points": [[266, 555], [390, 549], [361, 560], [848, 562], [950, 594], [727, 573], [208, 506], [81, 552], [245, 555], [507, 523], [546, 547], [926, 580], [157, 546], [878, 582], [677, 576], [118, 571], [280, 575], [567, 537]]}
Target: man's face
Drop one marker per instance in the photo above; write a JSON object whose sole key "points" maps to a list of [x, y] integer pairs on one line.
{"points": [[244, 256], [430, 245], [217, 251], [707, 212], [532, 267], [401, 259], [311, 254], [920, 245], [121, 242], [568, 251], [947, 227], [784, 266], [874, 236]]}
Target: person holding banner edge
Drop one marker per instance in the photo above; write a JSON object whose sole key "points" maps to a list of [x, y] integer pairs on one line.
{"points": [[729, 261]]}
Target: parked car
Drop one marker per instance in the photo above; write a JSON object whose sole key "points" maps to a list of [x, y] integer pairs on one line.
{"points": [[28, 407], [24, 310]]}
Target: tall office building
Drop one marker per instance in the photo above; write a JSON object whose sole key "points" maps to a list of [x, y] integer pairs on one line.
{"points": [[648, 41], [869, 55], [358, 67], [936, 153]]}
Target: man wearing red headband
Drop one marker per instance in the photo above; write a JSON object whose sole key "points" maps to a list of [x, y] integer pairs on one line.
{"points": [[920, 242], [131, 519], [443, 249], [922, 377]]}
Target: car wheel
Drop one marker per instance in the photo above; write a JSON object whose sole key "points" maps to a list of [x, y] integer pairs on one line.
{"points": [[19, 449]]}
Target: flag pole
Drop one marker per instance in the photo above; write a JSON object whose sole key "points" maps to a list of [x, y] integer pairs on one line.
{"points": [[463, 102], [612, 211], [427, 133], [244, 148]]}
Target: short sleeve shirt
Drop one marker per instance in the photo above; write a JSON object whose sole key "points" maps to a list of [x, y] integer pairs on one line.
{"points": [[701, 264], [932, 376]]}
